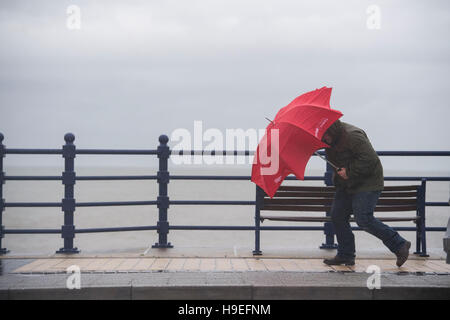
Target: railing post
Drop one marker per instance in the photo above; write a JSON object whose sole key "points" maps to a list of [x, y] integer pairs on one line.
{"points": [[422, 226], [2, 201], [259, 198], [68, 203], [163, 199], [328, 226]]}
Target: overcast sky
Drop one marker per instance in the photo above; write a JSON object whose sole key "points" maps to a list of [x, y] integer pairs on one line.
{"points": [[137, 69]]}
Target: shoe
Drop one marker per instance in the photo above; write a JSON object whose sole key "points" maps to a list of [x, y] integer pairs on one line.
{"points": [[403, 253], [338, 260]]}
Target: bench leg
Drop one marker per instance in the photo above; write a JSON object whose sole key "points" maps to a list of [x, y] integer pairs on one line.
{"points": [[329, 236], [418, 237], [423, 239]]}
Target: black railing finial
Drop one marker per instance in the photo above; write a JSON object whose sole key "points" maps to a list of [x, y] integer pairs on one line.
{"points": [[163, 139], [69, 138]]}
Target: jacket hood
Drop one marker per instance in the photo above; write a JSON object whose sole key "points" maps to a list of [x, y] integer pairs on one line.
{"points": [[335, 131]]}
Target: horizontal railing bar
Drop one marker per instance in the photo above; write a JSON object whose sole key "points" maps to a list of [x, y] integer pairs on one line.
{"points": [[33, 204], [32, 151], [79, 178], [292, 177], [115, 203], [437, 204], [193, 177], [252, 152], [152, 177], [199, 152], [440, 229], [182, 227], [31, 231], [416, 178], [32, 178], [86, 178], [144, 203], [116, 151], [211, 202], [200, 177], [82, 151], [196, 177], [116, 229], [281, 228], [414, 153], [314, 228], [212, 152], [78, 204]]}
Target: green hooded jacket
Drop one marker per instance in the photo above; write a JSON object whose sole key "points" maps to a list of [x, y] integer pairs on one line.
{"points": [[352, 150]]}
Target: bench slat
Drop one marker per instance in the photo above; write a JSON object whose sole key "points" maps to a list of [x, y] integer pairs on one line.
{"points": [[323, 208], [328, 201], [401, 188], [304, 188], [268, 201], [296, 208], [292, 194], [301, 194], [398, 194], [332, 189], [328, 219]]}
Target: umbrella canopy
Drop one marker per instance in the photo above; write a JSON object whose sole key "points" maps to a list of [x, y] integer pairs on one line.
{"points": [[292, 138]]}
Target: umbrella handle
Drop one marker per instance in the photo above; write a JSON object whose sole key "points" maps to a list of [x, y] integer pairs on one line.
{"points": [[331, 163]]}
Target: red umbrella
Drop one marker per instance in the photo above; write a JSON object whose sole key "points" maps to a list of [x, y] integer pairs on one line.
{"points": [[292, 138]]}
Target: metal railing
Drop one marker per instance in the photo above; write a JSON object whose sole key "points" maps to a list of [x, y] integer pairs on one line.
{"points": [[68, 204]]}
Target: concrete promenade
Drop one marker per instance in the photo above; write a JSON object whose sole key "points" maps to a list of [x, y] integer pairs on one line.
{"points": [[130, 276]]}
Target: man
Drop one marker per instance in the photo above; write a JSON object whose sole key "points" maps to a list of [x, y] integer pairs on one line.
{"points": [[359, 182]]}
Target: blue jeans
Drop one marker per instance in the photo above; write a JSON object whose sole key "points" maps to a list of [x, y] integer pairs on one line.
{"points": [[361, 205]]}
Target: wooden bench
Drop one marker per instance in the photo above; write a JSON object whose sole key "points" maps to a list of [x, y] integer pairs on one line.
{"points": [[398, 199]]}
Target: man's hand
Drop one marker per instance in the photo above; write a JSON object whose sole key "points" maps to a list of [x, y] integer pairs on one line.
{"points": [[343, 173]]}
